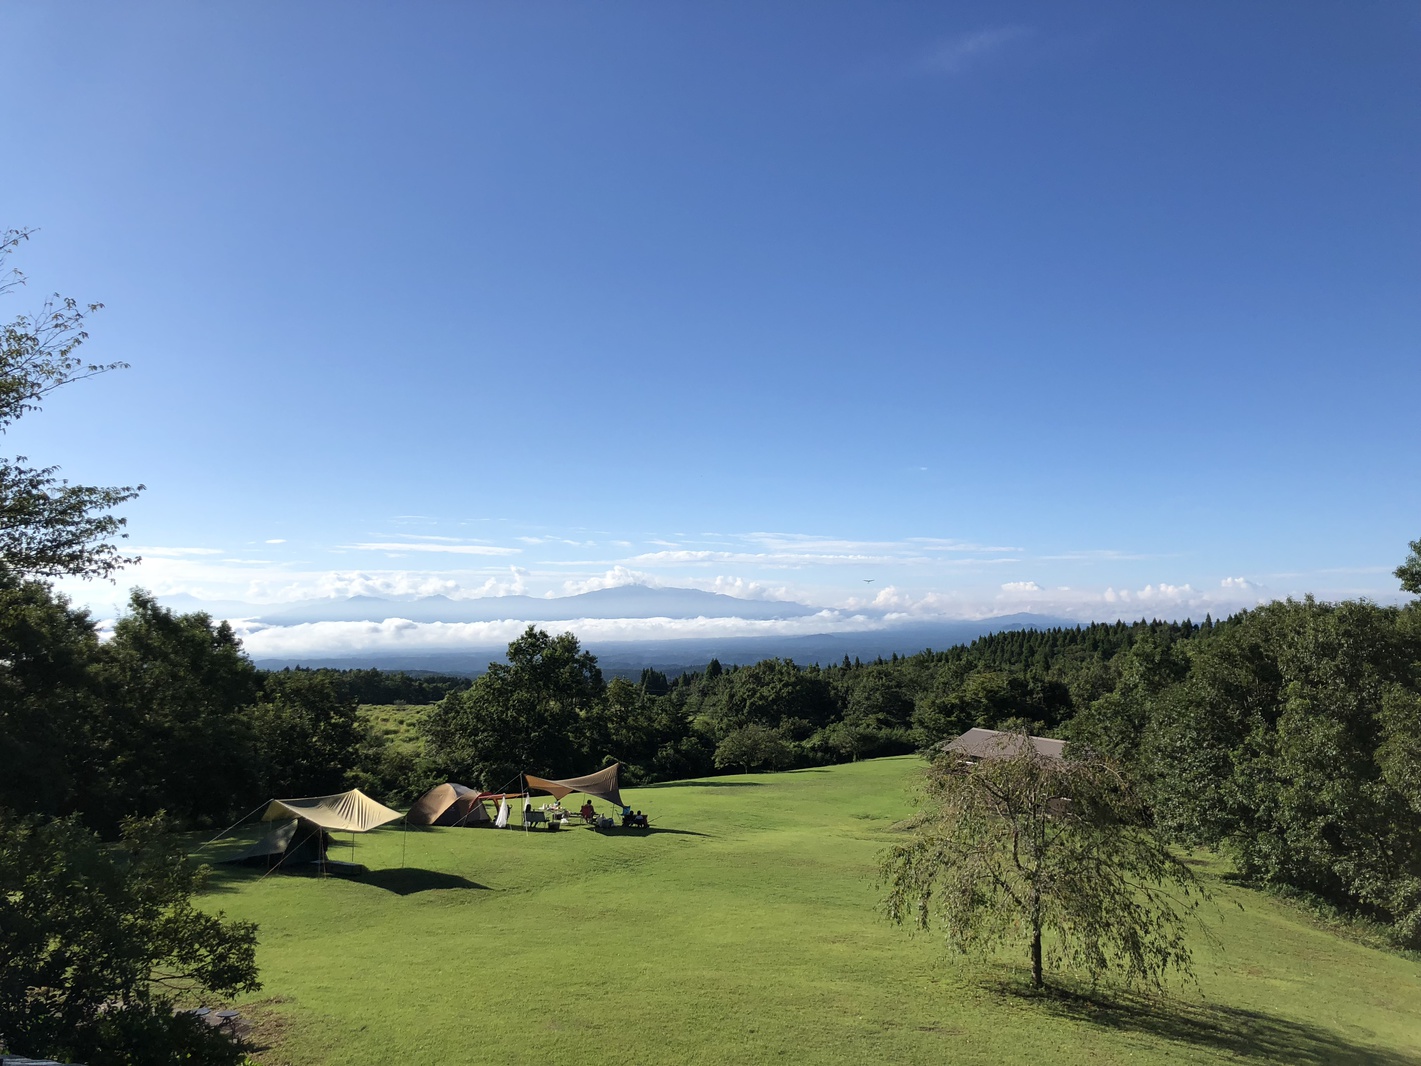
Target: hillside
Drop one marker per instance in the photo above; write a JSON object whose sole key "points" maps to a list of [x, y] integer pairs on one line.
{"points": [[743, 930]]}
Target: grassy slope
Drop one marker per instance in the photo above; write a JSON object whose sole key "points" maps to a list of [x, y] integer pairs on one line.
{"points": [[398, 723], [744, 932]]}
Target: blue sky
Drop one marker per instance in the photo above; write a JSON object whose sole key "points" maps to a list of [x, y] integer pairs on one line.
{"points": [[1082, 309]]}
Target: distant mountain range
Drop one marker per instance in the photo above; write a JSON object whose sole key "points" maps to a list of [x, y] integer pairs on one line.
{"points": [[628, 601], [628, 659], [872, 638]]}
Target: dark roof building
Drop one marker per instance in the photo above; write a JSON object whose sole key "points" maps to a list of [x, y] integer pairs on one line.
{"points": [[993, 744]]}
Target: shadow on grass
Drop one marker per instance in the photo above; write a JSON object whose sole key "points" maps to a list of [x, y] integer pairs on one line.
{"points": [[655, 830], [401, 881], [228, 877], [711, 783], [408, 881], [1247, 1035]]}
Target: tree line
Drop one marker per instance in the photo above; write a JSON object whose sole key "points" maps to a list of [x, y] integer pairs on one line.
{"points": [[170, 715]]}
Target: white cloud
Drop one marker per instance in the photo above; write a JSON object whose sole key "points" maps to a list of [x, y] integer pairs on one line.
{"points": [[819, 545], [932, 544], [1101, 554], [617, 577], [896, 602], [277, 540], [516, 584], [159, 552], [779, 558], [744, 589], [957, 54], [452, 549], [1241, 583], [398, 634], [1021, 586]]}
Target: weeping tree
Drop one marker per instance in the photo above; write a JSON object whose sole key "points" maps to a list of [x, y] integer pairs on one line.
{"points": [[1056, 855]]}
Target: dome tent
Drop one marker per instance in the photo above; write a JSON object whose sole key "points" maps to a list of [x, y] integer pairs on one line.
{"points": [[452, 804]]}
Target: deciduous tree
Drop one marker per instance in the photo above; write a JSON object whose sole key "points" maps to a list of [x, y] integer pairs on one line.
{"points": [[752, 746], [96, 940], [525, 716], [1056, 854], [1409, 572]]}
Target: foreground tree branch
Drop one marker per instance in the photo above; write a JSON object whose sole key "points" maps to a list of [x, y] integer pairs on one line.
{"points": [[49, 527], [95, 937]]}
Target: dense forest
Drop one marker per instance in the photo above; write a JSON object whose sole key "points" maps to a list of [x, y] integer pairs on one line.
{"points": [[1289, 735]]}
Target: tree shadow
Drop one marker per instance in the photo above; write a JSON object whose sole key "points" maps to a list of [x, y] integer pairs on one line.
{"points": [[402, 881], [409, 880], [651, 831], [1247, 1035], [228, 877]]}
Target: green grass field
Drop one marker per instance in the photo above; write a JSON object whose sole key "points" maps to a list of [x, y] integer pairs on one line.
{"points": [[743, 929]]}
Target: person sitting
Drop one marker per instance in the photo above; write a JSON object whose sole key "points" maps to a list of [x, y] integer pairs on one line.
{"points": [[640, 821], [588, 814], [628, 819]]}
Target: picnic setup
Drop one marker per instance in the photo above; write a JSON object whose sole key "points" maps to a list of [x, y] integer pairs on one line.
{"points": [[455, 805], [602, 785], [305, 827]]}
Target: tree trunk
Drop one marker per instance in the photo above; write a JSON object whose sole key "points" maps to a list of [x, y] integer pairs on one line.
{"points": [[1036, 981]]}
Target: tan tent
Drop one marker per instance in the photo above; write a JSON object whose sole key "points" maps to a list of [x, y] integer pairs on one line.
{"points": [[345, 812], [276, 847], [601, 785], [291, 844], [451, 804]]}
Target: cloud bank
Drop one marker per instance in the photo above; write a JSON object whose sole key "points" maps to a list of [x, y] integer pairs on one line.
{"points": [[852, 582]]}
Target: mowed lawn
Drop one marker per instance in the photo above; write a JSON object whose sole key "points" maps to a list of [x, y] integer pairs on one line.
{"points": [[744, 929]]}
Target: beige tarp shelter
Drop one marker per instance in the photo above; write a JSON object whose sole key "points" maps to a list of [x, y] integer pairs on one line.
{"points": [[451, 804], [601, 785], [993, 744], [344, 812], [306, 824]]}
